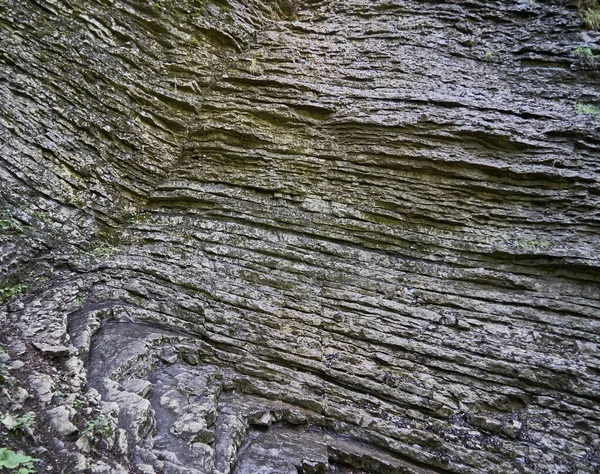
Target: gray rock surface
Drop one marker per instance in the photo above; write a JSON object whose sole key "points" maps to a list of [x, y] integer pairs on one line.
{"points": [[42, 385], [138, 386], [51, 350], [305, 236], [60, 421]]}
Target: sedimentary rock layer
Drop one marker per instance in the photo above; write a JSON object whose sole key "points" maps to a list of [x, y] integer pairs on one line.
{"points": [[332, 236]]}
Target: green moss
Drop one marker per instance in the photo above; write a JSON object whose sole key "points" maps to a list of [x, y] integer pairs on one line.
{"points": [[586, 55], [104, 251], [10, 292], [588, 109], [9, 223]]}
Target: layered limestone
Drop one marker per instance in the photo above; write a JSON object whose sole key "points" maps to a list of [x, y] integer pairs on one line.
{"points": [[324, 236]]}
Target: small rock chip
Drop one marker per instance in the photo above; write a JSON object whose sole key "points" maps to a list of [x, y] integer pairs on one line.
{"points": [[18, 347], [168, 355], [512, 429], [79, 461], [138, 386], [8, 421], [146, 468], [42, 384], [462, 324], [83, 444], [489, 424], [100, 467], [39, 451], [261, 419], [20, 395]]}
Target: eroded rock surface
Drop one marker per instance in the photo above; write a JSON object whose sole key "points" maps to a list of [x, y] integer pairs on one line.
{"points": [[320, 236]]}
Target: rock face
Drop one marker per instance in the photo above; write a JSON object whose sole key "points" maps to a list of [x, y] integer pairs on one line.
{"points": [[323, 236]]}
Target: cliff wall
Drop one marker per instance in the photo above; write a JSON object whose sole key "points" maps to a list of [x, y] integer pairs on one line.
{"points": [[279, 237]]}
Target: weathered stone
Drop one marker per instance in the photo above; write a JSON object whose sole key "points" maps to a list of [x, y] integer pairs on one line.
{"points": [[9, 421], [135, 413], [76, 370], [150, 458], [78, 462], [487, 423], [194, 423], [138, 386], [41, 385], [146, 468], [171, 468], [168, 355], [84, 444], [190, 357], [18, 347], [512, 429], [261, 419], [376, 220], [101, 467], [17, 364], [59, 421], [51, 350], [20, 395], [122, 442]]}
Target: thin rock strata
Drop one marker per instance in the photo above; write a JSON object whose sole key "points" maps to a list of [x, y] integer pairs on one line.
{"points": [[320, 237]]}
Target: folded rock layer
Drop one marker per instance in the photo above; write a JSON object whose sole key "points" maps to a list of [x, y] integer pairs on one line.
{"points": [[320, 236]]}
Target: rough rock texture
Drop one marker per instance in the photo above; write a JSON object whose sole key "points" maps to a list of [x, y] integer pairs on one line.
{"points": [[321, 236]]}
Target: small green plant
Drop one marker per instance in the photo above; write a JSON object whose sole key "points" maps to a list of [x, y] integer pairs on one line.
{"points": [[586, 55], [9, 223], [7, 294], [77, 199], [139, 217], [78, 404], [489, 55], [255, 68], [17, 463], [100, 426], [4, 374], [588, 109], [533, 244], [42, 216], [23, 423], [104, 251]]}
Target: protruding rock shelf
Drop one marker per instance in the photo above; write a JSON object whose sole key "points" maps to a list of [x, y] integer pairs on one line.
{"points": [[280, 237]]}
